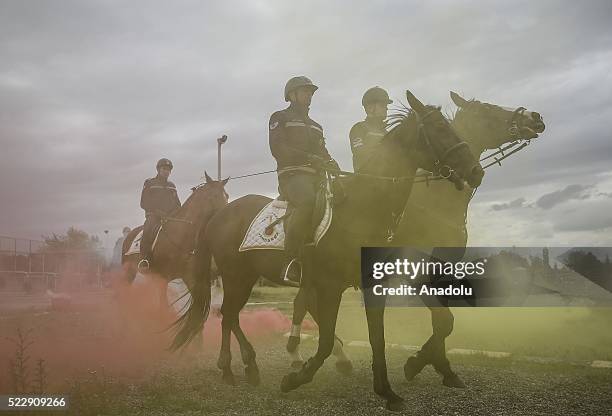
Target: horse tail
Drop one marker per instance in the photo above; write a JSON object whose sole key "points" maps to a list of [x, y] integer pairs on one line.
{"points": [[191, 322]]}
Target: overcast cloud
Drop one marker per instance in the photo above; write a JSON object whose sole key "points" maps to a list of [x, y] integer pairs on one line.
{"points": [[92, 93]]}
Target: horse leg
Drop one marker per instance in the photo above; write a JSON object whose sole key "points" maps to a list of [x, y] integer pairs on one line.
{"points": [[299, 313], [225, 355], [434, 350], [328, 302], [376, 331], [229, 309], [442, 321], [343, 363], [248, 355], [247, 352]]}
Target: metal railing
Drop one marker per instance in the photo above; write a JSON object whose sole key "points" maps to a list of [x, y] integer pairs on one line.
{"points": [[29, 265]]}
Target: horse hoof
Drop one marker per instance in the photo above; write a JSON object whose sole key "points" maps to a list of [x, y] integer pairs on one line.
{"points": [[252, 375], [395, 405], [289, 382], [293, 343], [296, 365], [412, 367], [344, 367], [453, 380], [228, 378]]}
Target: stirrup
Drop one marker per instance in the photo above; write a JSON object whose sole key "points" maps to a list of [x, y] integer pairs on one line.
{"points": [[287, 268], [143, 265]]}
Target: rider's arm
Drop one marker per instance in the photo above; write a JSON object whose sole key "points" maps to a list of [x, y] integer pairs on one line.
{"points": [[177, 201], [145, 198], [358, 148]]}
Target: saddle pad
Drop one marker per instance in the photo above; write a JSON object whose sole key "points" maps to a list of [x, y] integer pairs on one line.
{"points": [[135, 246], [256, 236]]}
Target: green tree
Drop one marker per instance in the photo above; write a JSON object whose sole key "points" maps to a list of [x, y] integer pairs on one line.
{"points": [[74, 239]]}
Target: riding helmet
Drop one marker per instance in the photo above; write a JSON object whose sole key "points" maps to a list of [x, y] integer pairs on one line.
{"points": [[297, 82], [375, 95]]}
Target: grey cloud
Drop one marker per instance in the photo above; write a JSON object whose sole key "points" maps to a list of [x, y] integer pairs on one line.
{"points": [[576, 191], [517, 203], [92, 93], [593, 217]]}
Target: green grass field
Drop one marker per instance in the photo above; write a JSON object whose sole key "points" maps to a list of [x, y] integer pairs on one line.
{"points": [[570, 333]]}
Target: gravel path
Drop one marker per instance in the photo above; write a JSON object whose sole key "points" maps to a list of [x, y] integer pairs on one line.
{"points": [[495, 387]]}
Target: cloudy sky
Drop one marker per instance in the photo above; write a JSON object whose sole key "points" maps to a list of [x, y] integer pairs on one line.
{"points": [[92, 93]]}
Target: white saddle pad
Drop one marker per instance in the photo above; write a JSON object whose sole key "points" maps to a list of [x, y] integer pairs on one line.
{"points": [[257, 237], [135, 246]]}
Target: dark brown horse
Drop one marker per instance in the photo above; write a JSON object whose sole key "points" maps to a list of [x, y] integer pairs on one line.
{"points": [[442, 213], [423, 138], [173, 253]]}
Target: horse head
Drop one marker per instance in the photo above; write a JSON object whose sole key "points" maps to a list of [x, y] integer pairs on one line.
{"points": [[487, 126], [444, 152], [210, 195]]}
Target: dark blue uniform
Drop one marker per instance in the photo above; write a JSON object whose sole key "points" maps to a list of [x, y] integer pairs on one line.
{"points": [[298, 145], [158, 199]]}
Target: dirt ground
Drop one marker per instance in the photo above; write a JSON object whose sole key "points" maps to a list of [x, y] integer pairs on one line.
{"points": [[107, 351]]}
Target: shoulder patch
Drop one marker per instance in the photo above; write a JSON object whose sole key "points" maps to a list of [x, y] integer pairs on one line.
{"points": [[356, 142]]}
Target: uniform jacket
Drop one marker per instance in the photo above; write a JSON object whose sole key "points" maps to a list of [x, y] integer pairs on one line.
{"points": [[365, 137], [294, 137], [159, 197]]}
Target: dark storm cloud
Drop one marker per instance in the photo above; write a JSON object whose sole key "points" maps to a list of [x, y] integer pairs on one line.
{"points": [[93, 93], [570, 192]]}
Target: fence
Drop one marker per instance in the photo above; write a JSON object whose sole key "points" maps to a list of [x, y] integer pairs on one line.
{"points": [[29, 266]]}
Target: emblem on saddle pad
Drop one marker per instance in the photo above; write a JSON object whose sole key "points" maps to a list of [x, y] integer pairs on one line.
{"points": [[267, 231]]}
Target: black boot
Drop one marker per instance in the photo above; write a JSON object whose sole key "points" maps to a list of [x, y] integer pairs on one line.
{"points": [[291, 272]]}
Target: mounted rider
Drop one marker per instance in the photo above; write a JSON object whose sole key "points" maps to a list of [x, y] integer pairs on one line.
{"points": [[366, 135], [298, 145], [158, 199]]}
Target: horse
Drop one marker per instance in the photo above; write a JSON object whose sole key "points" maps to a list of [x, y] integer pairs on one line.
{"points": [[442, 213], [173, 252], [422, 138]]}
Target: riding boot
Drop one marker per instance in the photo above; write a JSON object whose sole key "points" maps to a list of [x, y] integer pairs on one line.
{"points": [[146, 242]]}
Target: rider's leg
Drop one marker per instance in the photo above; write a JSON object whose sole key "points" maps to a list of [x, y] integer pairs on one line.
{"points": [[146, 243], [300, 190]]}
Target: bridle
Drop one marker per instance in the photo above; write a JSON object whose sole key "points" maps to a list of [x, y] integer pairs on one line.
{"points": [[514, 127], [441, 168], [165, 220]]}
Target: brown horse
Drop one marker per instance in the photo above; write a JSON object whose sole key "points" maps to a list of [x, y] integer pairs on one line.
{"points": [[442, 213], [423, 138], [173, 252]]}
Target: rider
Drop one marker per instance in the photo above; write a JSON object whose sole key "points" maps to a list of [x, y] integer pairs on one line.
{"points": [[298, 145], [158, 199], [366, 135]]}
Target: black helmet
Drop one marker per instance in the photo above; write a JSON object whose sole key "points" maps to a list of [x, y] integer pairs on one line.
{"points": [[163, 162], [297, 82], [375, 95]]}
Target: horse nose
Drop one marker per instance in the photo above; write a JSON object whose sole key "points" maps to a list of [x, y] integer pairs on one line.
{"points": [[476, 175], [538, 122]]}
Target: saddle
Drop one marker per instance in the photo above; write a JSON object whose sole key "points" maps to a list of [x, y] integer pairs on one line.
{"points": [[135, 246], [267, 230]]}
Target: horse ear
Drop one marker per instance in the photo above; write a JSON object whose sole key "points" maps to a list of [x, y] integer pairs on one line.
{"points": [[224, 181], [414, 102], [208, 178], [457, 99]]}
